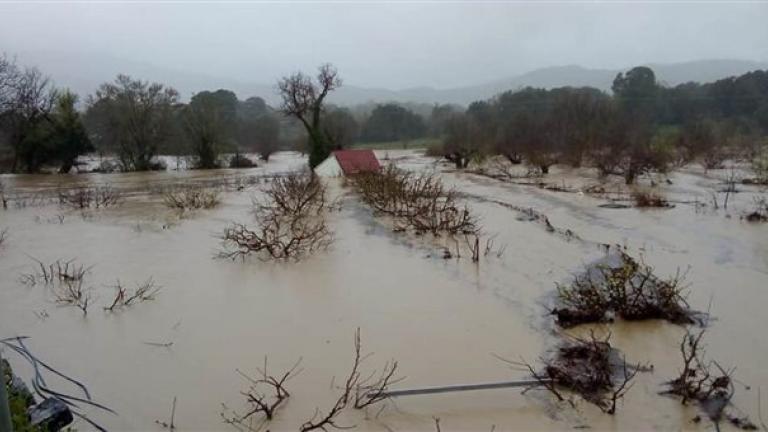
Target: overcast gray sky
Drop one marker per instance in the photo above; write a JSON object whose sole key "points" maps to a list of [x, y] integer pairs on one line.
{"points": [[388, 44]]}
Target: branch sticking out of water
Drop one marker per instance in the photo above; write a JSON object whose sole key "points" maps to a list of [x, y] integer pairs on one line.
{"points": [[265, 395], [147, 290], [705, 382]]}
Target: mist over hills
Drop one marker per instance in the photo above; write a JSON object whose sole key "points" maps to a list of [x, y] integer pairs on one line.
{"points": [[84, 72]]}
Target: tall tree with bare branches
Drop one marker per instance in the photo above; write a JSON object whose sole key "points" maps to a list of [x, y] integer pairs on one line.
{"points": [[30, 98], [133, 117], [303, 98]]}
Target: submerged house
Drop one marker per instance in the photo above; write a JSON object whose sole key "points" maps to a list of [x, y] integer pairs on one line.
{"points": [[348, 162]]}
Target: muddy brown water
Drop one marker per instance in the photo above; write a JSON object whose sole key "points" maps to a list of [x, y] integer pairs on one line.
{"points": [[441, 319]]}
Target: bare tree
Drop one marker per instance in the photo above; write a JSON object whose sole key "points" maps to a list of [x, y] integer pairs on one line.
{"points": [[461, 142], [261, 401], [303, 99], [29, 100], [290, 220], [9, 75], [329, 419], [705, 382], [143, 292], [133, 116], [418, 202]]}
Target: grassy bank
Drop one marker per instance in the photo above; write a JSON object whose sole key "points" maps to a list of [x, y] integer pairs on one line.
{"points": [[419, 143]]}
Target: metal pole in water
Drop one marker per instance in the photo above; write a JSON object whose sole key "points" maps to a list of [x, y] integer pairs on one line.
{"points": [[462, 387], [5, 410]]}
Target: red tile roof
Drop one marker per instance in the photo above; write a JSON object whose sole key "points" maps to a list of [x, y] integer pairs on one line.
{"points": [[356, 161]]}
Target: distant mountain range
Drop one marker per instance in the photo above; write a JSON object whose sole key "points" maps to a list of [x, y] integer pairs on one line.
{"points": [[83, 74]]}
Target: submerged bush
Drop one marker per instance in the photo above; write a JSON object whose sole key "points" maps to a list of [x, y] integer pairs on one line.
{"points": [[90, 197], [628, 289], [418, 202], [290, 222], [240, 161], [648, 198], [591, 368], [191, 198]]}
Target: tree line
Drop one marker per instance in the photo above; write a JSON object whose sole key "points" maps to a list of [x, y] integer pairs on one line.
{"points": [[641, 127], [134, 120]]}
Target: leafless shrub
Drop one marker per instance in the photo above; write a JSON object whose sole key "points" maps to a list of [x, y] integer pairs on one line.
{"points": [[322, 422], [294, 194], [265, 394], [374, 387], [626, 288], [705, 382], [144, 291], [591, 368], [170, 425], [66, 280], [417, 202], [90, 197], [73, 293], [437, 424], [57, 272], [474, 247], [491, 248], [191, 198], [648, 198], [291, 222], [760, 211], [365, 391]]}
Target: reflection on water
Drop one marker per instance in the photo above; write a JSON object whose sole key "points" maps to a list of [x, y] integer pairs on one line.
{"points": [[441, 319]]}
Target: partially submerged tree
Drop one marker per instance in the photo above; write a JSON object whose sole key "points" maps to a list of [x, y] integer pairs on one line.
{"points": [[340, 128], [591, 368], [701, 140], [68, 135], [290, 222], [392, 122], [461, 140], [304, 100], [258, 129], [29, 100], [210, 121], [133, 117]]}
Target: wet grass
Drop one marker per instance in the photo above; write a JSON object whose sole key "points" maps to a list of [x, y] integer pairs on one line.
{"points": [[419, 143]]}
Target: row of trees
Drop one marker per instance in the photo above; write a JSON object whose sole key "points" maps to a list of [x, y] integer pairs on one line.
{"points": [[641, 127], [132, 119], [37, 122]]}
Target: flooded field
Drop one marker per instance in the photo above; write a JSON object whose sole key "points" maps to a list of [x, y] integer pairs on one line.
{"points": [[446, 321]]}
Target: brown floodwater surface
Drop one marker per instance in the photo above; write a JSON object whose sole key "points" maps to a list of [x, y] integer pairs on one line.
{"points": [[442, 320]]}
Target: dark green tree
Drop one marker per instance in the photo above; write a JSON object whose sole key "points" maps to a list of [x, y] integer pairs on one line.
{"points": [[340, 128], [210, 122], [68, 136], [392, 122]]}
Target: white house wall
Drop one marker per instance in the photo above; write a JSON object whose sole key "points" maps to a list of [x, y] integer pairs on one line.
{"points": [[329, 168]]}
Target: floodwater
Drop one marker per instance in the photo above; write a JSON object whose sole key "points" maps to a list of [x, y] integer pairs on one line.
{"points": [[444, 321]]}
